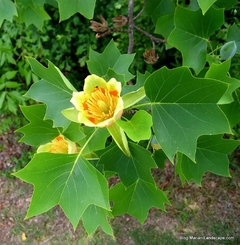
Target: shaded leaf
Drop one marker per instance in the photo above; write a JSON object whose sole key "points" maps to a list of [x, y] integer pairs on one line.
{"points": [[191, 34], [137, 199], [129, 169], [9, 14], [67, 8], [211, 156], [157, 8], [99, 64], [220, 72]]}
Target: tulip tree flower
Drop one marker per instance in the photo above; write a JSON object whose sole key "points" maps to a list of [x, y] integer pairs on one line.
{"points": [[100, 105], [59, 145]]}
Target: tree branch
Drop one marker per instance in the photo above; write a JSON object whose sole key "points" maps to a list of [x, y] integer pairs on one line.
{"points": [[130, 26], [153, 38]]}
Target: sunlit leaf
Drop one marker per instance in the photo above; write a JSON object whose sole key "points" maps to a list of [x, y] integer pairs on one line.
{"points": [[94, 217], [67, 180], [139, 127], [54, 90], [205, 4], [184, 108], [38, 131]]}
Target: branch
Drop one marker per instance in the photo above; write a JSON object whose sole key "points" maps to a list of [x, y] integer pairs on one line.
{"points": [[131, 26], [153, 38]]}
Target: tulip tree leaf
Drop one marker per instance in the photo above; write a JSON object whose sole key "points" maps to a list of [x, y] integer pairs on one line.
{"points": [[220, 72], [32, 12], [38, 131], [56, 92], [67, 8], [137, 199], [139, 127], [67, 180], [99, 64], [191, 33], [129, 169], [100, 219], [9, 14], [157, 8], [211, 156], [205, 5], [97, 142], [181, 109]]}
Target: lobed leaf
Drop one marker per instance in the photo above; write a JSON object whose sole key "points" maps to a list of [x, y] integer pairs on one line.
{"points": [[129, 169], [137, 199], [211, 156], [65, 179], [184, 108], [191, 34]]}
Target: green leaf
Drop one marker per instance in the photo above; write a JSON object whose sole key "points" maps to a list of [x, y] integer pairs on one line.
{"points": [[67, 8], [100, 219], [157, 8], [232, 111], [226, 4], [74, 132], [38, 131], [234, 35], [97, 142], [133, 97], [67, 180], [7, 10], [137, 199], [32, 14], [112, 74], [220, 72], [54, 90], [184, 108], [228, 50], [205, 4], [139, 127], [129, 169], [191, 34], [211, 156], [99, 64], [164, 26]]}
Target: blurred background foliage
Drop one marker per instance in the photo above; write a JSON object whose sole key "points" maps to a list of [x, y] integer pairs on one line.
{"points": [[67, 44]]}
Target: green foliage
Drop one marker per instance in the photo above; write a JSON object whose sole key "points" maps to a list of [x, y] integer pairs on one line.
{"points": [[179, 112]]}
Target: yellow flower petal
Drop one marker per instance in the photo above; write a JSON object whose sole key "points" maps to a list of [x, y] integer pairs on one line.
{"points": [[100, 104], [59, 145]]}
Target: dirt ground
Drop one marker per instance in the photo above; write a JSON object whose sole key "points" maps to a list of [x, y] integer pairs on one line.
{"points": [[210, 210]]}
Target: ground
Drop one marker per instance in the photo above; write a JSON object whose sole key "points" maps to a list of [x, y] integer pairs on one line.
{"points": [[197, 213]]}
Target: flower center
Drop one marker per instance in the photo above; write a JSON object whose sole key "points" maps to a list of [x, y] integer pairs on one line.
{"points": [[101, 105]]}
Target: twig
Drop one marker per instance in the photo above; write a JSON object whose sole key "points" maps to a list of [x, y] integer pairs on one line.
{"points": [[144, 3], [130, 26], [153, 38]]}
